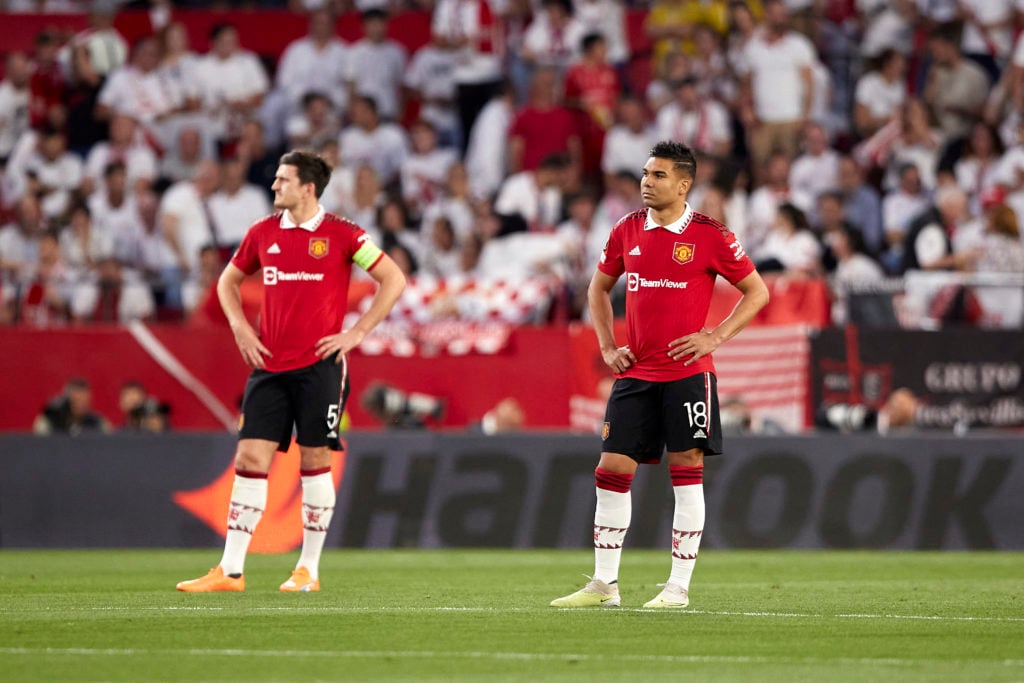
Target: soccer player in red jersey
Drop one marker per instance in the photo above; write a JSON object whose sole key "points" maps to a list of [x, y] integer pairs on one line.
{"points": [[298, 358], [664, 395]]}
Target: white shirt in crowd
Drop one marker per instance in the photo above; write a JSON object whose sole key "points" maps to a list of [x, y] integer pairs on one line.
{"points": [[431, 73], [486, 155], [775, 70], [376, 70], [900, 208], [63, 175], [424, 175], [139, 161], [305, 67], [996, 41], [519, 194], [240, 76], [606, 17], [625, 150], [799, 250], [704, 129], [881, 98], [550, 47], [232, 214], [459, 213], [477, 61], [142, 96], [809, 176], [13, 116], [857, 270], [384, 149], [122, 224], [134, 302], [182, 200]]}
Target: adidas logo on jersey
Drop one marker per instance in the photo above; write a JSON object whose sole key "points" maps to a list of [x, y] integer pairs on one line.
{"points": [[699, 434], [274, 249], [635, 251]]}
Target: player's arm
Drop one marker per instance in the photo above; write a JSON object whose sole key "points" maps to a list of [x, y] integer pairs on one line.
{"points": [[392, 281], [700, 344], [229, 291], [599, 297]]}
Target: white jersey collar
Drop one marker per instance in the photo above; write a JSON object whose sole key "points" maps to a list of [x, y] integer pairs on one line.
{"points": [[677, 226], [310, 226]]}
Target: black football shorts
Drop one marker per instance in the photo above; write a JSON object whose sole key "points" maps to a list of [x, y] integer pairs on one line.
{"points": [[309, 401], [644, 418]]}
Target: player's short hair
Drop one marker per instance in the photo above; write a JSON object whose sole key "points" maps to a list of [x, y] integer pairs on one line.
{"points": [[680, 155], [310, 167]]}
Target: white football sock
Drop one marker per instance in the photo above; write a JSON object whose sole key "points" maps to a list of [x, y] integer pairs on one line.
{"points": [[687, 528], [248, 500], [611, 522], [318, 498]]}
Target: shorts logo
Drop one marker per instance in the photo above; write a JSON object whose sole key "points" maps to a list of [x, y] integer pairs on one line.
{"points": [[682, 253], [606, 429], [632, 282], [699, 434], [318, 247]]}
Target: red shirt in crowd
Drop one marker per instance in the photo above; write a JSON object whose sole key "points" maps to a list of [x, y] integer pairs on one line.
{"points": [[670, 277], [544, 132]]}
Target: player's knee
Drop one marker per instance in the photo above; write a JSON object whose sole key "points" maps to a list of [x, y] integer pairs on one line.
{"points": [[249, 459], [689, 458]]}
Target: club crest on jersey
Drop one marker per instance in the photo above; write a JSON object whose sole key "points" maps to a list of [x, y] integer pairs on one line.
{"points": [[682, 252], [318, 246], [606, 429]]}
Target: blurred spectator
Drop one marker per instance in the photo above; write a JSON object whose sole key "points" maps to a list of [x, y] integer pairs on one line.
{"points": [[383, 146], [104, 47], [142, 91], [929, 243], [855, 270], [766, 199], [591, 91], [862, 206], [469, 28], [395, 227], [454, 203], [725, 198], [315, 63], [621, 196], [125, 146], [367, 197], [111, 297], [338, 193], [179, 65], [183, 222], [81, 96], [583, 239], [45, 286], [375, 65], [47, 84], [554, 36], [71, 412], [899, 207], [425, 170], [700, 122], [608, 19], [957, 88], [51, 173], [779, 84], [261, 156], [908, 139], [232, 83], [235, 205], [889, 25], [19, 241], [711, 68], [670, 25], [506, 416], [141, 412], [542, 127], [534, 197], [487, 150], [629, 142], [987, 37], [115, 215], [439, 256], [1000, 250], [430, 81], [880, 94], [815, 170], [14, 102], [979, 166], [183, 155], [201, 284], [789, 246], [661, 90], [82, 244]]}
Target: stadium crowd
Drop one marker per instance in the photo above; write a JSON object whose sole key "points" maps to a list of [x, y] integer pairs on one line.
{"points": [[854, 140]]}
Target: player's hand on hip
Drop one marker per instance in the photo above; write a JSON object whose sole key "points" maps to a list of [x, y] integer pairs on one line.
{"points": [[251, 348], [618, 359], [340, 343], [696, 345]]}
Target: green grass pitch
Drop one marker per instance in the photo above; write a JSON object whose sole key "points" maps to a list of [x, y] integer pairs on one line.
{"points": [[483, 615]]}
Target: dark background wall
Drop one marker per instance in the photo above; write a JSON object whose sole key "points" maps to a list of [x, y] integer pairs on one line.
{"points": [[433, 490]]}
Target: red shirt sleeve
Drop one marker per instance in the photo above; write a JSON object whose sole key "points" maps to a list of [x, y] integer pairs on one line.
{"points": [[247, 256], [612, 262], [729, 258]]}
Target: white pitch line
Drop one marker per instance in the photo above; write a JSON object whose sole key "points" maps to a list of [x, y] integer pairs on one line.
{"points": [[500, 656], [315, 609]]}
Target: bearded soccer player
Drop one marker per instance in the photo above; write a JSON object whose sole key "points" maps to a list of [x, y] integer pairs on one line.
{"points": [[664, 395], [299, 368]]}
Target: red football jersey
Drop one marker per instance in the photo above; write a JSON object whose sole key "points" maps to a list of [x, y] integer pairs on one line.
{"points": [[670, 277], [306, 273]]}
